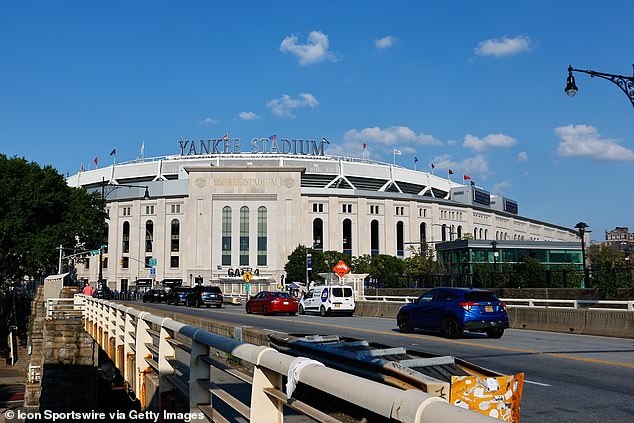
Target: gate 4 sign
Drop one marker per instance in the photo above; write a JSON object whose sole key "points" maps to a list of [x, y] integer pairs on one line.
{"points": [[341, 269], [247, 277]]}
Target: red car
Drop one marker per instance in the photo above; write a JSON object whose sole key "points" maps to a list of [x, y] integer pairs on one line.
{"points": [[273, 302]]}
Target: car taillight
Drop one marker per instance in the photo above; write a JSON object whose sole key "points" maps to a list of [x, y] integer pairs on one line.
{"points": [[467, 305], [202, 294], [502, 306]]}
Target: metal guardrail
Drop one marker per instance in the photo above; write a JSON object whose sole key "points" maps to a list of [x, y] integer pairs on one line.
{"points": [[64, 308], [532, 302], [140, 343]]}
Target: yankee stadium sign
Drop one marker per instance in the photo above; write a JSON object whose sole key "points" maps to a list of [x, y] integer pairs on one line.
{"points": [[269, 145]]}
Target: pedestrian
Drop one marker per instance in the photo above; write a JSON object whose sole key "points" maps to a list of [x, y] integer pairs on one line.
{"points": [[87, 291]]}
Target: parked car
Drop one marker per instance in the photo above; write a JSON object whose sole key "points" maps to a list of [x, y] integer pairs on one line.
{"points": [[205, 295], [154, 296], [178, 295], [266, 302], [454, 310], [328, 299], [102, 293]]}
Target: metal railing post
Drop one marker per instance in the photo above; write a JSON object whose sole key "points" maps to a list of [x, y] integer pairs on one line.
{"points": [[129, 344], [198, 371], [166, 352], [142, 352], [265, 408]]}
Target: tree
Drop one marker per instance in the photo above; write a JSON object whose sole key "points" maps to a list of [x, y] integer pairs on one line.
{"points": [[419, 263], [361, 264], [608, 267], [388, 270], [38, 212]]}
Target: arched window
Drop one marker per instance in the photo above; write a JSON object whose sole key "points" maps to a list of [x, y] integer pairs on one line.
{"points": [[318, 234], [244, 236], [399, 239], [262, 236], [347, 236], [374, 237], [125, 245], [481, 234], [443, 235], [475, 233], [497, 235], [459, 231], [422, 232], [226, 236], [486, 234], [452, 232], [175, 236], [149, 235]]}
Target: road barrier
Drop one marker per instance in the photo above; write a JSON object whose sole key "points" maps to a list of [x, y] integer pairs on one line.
{"points": [[146, 349]]}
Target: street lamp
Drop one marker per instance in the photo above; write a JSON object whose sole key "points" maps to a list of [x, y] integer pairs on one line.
{"points": [[146, 196], [625, 83], [581, 226]]}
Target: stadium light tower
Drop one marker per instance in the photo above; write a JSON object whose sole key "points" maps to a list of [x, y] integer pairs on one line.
{"points": [[625, 83]]}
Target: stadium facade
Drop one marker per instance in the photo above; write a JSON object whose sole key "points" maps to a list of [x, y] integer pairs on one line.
{"points": [[215, 210]]}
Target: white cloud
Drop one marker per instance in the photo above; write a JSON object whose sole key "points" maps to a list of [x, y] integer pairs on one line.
{"points": [[390, 136], [500, 47], [209, 121], [284, 106], [490, 141], [385, 42], [314, 51], [247, 116], [476, 166], [522, 156], [585, 141], [502, 187]]}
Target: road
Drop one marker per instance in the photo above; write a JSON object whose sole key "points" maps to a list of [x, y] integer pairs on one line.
{"points": [[568, 378]]}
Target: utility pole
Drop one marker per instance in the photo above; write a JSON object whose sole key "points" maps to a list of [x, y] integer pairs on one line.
{"points": [[59, 263]]}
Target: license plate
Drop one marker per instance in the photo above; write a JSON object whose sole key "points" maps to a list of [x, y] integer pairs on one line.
{"points": [[337, 305], [488, 309]]}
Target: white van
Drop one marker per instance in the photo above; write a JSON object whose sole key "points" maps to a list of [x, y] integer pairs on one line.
{"points": [[328, 299]]}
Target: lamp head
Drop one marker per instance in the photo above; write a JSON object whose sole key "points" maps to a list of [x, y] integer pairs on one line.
{"points": [[146, 195], [581, 226], [571, 88]]}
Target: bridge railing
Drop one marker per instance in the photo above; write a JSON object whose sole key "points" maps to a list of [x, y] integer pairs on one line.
{"points": [[64, 308], [603, 305], [179, 354]]}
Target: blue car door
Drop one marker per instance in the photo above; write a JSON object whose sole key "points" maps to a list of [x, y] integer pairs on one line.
{"points": [[439, 306], [420, 317]]}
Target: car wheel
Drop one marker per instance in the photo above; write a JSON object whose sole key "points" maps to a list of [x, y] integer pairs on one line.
{"points": [[495, 333], [404, 324], [209, 305], [301, 309], [248, 309], [264, 310], [144, 300], [451, 328], [322, 311]]}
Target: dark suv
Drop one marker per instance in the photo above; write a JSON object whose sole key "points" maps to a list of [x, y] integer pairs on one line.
{"points": [[154, 296], [454, 310], [204, 295], [178, 295]]}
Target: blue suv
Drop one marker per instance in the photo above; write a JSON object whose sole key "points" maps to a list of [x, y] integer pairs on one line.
{"points": [[454, 310]]}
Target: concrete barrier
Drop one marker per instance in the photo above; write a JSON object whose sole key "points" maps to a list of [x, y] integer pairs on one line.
{"points": [[610, 323], [548, 319]]}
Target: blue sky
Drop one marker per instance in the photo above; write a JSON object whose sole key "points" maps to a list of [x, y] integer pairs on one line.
{"points": [[474, 86]]}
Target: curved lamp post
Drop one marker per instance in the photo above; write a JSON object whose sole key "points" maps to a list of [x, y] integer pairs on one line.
{"points": [[581, 226], [625, 83], [146, 196]]}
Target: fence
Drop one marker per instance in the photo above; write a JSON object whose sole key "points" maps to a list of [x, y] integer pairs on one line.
{"points": [[181, 356]]}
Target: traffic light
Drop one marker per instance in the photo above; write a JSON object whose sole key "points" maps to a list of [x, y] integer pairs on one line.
{"points": [[121, 261]]}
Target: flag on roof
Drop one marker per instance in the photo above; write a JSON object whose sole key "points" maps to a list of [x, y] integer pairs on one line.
{"points": [[96, 160], [82, 168], [226, 137], [415, 159], [364, 146], [397, 152], [273, 137], [433, 165], [472, 183], [466, 177], [450, 171], [113, 152]]}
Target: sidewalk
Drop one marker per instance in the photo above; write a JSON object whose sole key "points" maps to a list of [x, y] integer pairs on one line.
{"points": [[12, 380]]}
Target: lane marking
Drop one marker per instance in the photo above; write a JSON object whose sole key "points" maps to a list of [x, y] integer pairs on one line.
{"points": [[447, 341], [536, 383]]}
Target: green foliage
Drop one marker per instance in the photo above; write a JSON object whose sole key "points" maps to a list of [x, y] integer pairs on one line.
{"points": [[419, 263], [388, 270], [610, 269], [323, 262], [361, 264], [38, 212]]}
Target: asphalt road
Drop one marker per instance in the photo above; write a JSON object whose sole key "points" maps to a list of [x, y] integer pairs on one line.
{"points": [[568, 378]]}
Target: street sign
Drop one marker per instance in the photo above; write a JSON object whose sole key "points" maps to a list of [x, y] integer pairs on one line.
{"points": [[152, 262], [94, 252], [341, 269], [247, 276], [309, 262], [152, 270]]}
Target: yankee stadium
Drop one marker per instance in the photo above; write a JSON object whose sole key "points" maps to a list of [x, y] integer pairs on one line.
{"points": [[213, 208]]}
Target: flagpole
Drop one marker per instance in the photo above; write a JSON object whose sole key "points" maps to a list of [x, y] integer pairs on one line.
{"points": [[393, 157]]}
